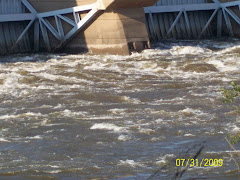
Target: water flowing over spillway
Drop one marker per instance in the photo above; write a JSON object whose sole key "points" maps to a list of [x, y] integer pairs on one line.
{"points": [[117, 117]]}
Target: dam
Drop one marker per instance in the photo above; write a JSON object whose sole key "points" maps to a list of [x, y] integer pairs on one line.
{"points": [[110, 26], [101, 115]]}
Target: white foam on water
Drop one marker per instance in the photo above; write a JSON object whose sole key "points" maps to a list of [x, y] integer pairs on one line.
{"points": [[70, 113], [3, 140], [7, 117], [145, 65], [35, 137], [226, 64], [189, 135], [28, 114], [229, 49], [164, 159], [58, 106], [149, 53], [190, 110], [146, 131], [195, 112], [102, 66], [107, 126], [130, 163], [52, 171], [189, 50], [236, 129], [232, 128], [124, 138], [117, 111], [53, 166]]}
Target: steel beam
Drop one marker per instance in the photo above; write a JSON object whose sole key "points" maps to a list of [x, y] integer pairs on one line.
{"points": [[209, 21], [219, 23], [177, 8], [174, 23], [233, 15], [17, 17], [66, 19], [29, 6], [79, 26], [228, 22], [36, 35], [23, 33], [67, 10]]}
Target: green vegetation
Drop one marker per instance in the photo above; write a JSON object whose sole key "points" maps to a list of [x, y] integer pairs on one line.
{"points": [[230, 95]]}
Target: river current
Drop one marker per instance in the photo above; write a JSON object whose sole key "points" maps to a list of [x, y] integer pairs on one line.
{"points": [[92, 116]]}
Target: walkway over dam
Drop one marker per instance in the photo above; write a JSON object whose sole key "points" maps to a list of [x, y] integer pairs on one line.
{"points": [[111, 26]]}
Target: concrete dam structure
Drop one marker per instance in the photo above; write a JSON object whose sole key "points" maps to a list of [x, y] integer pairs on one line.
{"points": [[110, 26]]}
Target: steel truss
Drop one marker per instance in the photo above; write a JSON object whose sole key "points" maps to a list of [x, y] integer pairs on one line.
{"points": [[42, 25], [221, 10]]}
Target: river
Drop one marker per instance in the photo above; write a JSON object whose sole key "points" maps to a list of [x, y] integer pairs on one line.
{"points": [[92, 116]]}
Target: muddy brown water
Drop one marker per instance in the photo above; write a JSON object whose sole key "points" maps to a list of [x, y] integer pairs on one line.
{"points": [[118, 117]]}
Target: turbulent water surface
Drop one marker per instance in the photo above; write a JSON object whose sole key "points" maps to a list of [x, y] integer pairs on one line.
{"points": [[118, 117]]}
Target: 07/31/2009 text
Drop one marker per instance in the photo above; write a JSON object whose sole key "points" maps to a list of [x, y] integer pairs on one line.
{"points": [[205, 162]]}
